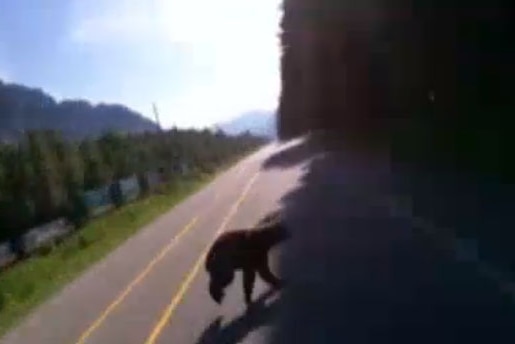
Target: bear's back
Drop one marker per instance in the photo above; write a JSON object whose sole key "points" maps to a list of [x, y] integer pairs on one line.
{"points": [[226, 248]]}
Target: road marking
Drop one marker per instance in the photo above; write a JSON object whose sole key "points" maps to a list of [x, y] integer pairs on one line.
{"points": [[177, 298], [119, 299]]}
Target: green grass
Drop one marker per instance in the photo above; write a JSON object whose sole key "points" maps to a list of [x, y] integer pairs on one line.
{"points": [[30, 282]]}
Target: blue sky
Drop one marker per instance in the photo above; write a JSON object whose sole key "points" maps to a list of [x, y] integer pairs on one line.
{"points": [[201, 61]]}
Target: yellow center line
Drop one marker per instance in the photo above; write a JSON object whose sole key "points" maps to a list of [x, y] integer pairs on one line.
{"points": [[177, 298], [119, 299], [139, 278]]}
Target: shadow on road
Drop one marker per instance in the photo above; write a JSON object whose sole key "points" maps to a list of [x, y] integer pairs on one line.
{"points": [[358, 274], [291, 156], [235, 331]]}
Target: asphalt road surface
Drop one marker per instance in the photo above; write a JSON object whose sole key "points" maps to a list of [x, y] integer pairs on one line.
{"points": [[357, 271]]}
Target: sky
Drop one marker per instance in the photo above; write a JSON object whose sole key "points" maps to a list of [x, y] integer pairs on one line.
{"points": [[200, 61]]}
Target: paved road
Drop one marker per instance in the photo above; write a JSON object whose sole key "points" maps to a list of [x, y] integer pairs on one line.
{"points": [[356, 272]]}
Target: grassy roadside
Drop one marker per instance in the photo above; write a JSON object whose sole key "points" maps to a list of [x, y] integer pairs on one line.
{"points": [[29, 283]]}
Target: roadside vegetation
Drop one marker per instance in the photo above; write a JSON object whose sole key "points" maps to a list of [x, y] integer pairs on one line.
{"points": [[45, 177]]}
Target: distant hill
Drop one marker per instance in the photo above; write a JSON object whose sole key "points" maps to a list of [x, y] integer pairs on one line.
{"points": [[23, 108], [260, 123]]}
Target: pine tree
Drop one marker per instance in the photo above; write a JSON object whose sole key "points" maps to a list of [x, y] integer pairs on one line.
{"points": [[96, 173], [48, 189]]}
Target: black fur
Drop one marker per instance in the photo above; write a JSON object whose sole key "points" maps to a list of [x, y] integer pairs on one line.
{"points": [[246, 250]]}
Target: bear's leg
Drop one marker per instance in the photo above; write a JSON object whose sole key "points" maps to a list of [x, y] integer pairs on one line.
{"points": [[249, 276], [266, 274]]}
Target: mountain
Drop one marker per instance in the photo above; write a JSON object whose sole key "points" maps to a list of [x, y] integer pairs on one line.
{"points": [[260, 123], [23, 108]]}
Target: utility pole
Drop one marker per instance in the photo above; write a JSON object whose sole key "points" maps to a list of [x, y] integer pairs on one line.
{"points": [[156, 115]]}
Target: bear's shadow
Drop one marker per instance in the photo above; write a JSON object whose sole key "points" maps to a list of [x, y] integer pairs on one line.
{"points": [[236, 330]]}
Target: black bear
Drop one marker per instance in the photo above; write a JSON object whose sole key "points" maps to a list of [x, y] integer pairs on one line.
{"points": [[246, 250]]}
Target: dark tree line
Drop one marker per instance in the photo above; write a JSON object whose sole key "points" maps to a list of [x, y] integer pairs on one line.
{"points": [[433, 79], [43, 176]]}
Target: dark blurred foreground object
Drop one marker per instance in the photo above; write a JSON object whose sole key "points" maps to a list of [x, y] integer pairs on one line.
{"points": [[432, 81]]}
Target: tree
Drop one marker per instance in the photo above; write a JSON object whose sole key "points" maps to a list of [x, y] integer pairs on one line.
{"points": [[71, 166], [96, 172], [48, 190], [45, 176]]}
